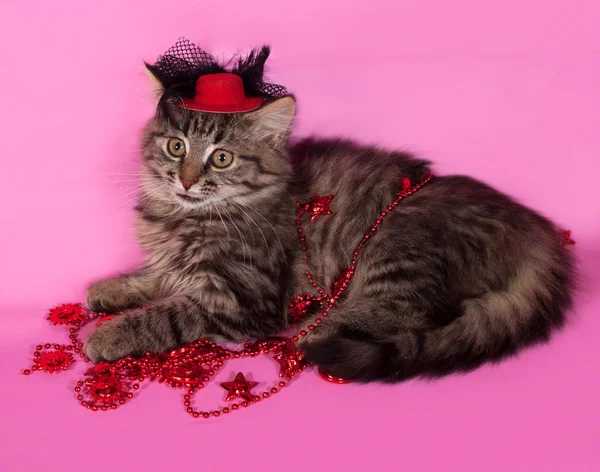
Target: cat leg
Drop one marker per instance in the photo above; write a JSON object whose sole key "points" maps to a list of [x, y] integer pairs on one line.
{"points": [[353, 341], [165, 325], [121, 293]]}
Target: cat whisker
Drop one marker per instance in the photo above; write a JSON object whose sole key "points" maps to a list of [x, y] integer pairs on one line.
{"points": [[153, 194], [243, 240], [127, 192], [137, 174], [223, 221], [251, 219], [130, 187], [121, 181], [268, 222]]}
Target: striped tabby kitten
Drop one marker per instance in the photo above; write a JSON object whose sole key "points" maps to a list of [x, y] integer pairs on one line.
{"points": [[457, 274]]}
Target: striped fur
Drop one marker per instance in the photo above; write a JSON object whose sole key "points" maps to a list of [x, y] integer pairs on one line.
{"points": [[458, 273]]}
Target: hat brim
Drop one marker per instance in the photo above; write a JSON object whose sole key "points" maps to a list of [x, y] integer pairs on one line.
{"points": [[249, 104]]}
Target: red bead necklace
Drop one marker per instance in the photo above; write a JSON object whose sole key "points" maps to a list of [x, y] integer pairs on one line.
{"points": [[109, 385]]}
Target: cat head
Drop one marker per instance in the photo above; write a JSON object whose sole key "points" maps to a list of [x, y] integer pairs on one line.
{"points": [[194, 159]]}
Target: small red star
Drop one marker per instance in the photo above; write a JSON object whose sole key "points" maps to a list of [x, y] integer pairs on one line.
{"points": [[239, 388], [405, 185], [566, 238], [290, 360], [318, 206], [301, 305]]}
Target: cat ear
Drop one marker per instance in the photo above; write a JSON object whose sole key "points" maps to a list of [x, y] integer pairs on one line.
{"points": [[157, 86], [274, 120]]}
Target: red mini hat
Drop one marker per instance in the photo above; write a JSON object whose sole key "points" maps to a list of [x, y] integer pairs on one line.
{"points": [[221, 93]]}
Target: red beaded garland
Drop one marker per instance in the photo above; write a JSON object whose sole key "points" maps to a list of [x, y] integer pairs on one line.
{"points": [[331, 378], [104, 319], [109, 385]]}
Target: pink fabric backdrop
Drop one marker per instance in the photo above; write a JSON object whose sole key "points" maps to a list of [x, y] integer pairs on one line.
{"points": [[506, 91]]}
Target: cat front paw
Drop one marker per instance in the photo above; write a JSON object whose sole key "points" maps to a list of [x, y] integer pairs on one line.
{"points": [[110, 341], [110, 296]]}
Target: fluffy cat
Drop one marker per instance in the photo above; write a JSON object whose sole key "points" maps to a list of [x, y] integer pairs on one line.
{"points": [[458, 274]]}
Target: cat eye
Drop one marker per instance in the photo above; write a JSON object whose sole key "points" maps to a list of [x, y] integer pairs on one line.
{"points": [[221, 159], [176, 147]]}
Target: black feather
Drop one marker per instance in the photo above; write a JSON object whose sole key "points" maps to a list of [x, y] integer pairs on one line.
{"points": [[251, 69]]}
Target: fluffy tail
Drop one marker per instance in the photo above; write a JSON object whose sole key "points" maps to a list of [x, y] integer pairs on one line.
{"points": [[489, 328]]}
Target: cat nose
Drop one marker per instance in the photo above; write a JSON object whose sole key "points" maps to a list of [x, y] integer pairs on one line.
{"points": [[187, 183]]}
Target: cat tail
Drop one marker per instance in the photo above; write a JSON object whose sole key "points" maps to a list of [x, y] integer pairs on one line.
{"points": [[489, 328]]}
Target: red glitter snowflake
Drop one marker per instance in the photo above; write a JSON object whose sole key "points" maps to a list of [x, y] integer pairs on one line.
{"points": [[70, 313], [53, 361], [185, 374], [107, 391]]}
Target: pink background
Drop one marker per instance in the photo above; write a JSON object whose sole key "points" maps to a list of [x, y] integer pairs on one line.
{"points": [[506, 91]]}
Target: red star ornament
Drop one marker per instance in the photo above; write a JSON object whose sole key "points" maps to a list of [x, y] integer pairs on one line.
{"points": [[318, 206], [405, 186], [290, 360], [239, 388], [301, 305], [566, 238]]}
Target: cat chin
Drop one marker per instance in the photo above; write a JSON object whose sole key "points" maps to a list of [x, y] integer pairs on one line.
{"points": [[193, 203]]}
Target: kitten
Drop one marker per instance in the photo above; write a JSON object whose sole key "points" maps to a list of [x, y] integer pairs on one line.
{"points": [[456, 275]]}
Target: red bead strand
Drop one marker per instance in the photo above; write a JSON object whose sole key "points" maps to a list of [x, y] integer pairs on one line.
{"points": [[348, 273], [108, 385]]}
